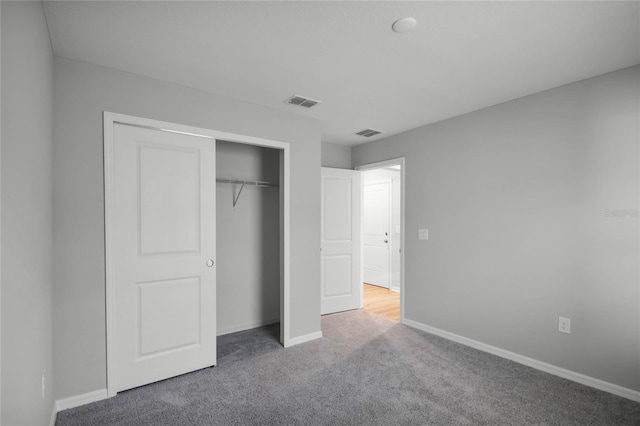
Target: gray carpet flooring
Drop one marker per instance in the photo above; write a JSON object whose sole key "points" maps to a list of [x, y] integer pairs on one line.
{"points": [[366, 370]]}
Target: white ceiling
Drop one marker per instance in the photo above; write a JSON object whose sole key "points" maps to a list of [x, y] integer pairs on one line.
{"points": [[461, 57]]}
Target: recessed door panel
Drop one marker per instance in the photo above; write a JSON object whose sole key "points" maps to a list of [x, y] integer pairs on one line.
{"points": [[168, 315], [169, 199], [337, 274], [337, 209]]}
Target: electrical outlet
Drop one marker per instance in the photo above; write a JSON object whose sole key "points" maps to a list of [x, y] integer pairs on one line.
{"points": [[564, 325], [423, 234], [43, 385]]}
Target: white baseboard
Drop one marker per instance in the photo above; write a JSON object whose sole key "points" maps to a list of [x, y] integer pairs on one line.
{"points": [[247, 326], [530, 362], [78, 400], [303, 339]]}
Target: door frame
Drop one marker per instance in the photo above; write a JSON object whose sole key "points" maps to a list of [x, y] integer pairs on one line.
{"points": [[382, 164], [110, 119]]}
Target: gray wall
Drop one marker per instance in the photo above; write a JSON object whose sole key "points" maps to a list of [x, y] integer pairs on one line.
{"points": [[27, 96], [336, 156], [82, 92], [515, 198], [247, 239]]}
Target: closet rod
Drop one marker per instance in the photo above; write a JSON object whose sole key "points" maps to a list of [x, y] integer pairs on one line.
{"points": [[258, 183], [249, 182]]}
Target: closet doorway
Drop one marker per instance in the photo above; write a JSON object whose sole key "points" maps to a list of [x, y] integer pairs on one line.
{"points": [[248, 236], [170, 317]]}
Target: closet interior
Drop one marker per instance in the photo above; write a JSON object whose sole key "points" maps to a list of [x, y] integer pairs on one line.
{"points": [[248, 236]]}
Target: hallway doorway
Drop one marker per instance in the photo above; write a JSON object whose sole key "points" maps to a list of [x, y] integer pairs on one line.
{"points": [[382, 242]]}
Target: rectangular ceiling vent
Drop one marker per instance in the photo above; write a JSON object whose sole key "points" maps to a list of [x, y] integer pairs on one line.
{"points": [[302, 101], [367, 133]]}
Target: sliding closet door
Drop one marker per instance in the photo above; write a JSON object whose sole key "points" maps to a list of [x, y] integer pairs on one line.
{"points": [[164, 253]]}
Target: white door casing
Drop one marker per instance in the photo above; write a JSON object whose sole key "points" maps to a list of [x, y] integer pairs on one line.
{"points": [[376, 233], [165, 281], [341, 284]]}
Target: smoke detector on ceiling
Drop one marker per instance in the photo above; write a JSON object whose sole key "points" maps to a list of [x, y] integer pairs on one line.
{"points": [[404, 25], [302, 101], [367, 133]]}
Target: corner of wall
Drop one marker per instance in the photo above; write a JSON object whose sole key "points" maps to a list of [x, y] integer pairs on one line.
{"points": [[336, 156], [26, 214]]}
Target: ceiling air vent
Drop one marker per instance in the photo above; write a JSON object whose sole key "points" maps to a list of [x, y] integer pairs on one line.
{"points": [[367, 133], [302, 101]]}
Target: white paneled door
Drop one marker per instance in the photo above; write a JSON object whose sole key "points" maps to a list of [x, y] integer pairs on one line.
{"points": [[164, 254], [340, 238], [375, 233]]}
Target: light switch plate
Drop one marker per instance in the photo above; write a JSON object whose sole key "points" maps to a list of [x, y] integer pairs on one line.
{"points": [[423, 234]]}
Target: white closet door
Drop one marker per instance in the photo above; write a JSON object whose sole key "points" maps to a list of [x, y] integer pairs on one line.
{"points": [[165, 281], [340, 237]]}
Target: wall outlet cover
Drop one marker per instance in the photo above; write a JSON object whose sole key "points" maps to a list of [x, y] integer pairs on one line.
{"points": [[423, 234], [564, 325]]}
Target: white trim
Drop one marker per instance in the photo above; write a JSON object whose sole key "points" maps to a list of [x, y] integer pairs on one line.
{"points": [[54, 415], [303, 339], [383, 164], [109, 120], [530, 362], [285, 247], [111, 117], [247, 326], [78, 400]]}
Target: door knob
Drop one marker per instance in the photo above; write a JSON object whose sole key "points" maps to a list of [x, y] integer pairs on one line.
{"points": [[210, 263], [386, 241]]}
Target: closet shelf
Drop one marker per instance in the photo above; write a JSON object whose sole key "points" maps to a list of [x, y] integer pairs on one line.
{"points": [[258, 183], [249, 182]]}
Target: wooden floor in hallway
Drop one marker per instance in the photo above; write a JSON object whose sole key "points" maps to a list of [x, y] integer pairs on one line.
{"points": [[382, 301]]}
